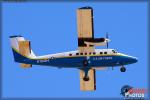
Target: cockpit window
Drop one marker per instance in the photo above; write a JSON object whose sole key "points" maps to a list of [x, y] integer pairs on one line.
{"points": [[101, 52], [114, 51]]}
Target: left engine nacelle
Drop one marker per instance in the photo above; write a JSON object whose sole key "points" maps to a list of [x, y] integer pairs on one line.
{"points": [[92, 41]]}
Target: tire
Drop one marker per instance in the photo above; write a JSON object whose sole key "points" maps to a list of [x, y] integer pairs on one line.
{"points": [[86, 78], [122, 69]]}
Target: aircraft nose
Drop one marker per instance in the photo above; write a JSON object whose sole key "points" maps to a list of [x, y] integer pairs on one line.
{"points": [[133, 59]]}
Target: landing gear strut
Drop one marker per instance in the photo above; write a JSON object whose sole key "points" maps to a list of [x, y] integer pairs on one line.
{"points": [[85, 63], [86, 77], [85, 69], [122, 69]]}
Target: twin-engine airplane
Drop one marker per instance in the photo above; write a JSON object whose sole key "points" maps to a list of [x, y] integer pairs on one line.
{"points": [[87, 59]]}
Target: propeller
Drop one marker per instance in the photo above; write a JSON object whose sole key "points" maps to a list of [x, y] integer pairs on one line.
{"points": [[107, 40]]}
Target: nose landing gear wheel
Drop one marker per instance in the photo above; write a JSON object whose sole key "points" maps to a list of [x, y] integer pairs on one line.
{"points": [[86, 78], [122, 69]]}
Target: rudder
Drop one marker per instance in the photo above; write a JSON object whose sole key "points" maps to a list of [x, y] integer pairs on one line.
{"points": [[22, 48]]}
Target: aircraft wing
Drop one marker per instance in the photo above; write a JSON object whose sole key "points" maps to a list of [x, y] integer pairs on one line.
{"points": [[85, 32]]}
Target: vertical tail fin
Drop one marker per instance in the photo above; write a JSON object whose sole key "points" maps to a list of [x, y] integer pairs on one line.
{"points": [[14, 41], [21, 50]]}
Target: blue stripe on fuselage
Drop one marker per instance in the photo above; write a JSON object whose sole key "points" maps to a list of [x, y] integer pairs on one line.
{"points": [[77, 62]]}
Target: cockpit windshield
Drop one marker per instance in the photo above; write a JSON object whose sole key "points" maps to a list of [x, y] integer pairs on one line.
{"points": [[114, 51]]}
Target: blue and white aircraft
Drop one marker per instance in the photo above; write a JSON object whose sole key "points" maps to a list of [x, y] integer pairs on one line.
{"points": [[86, 57], [74, 59]]}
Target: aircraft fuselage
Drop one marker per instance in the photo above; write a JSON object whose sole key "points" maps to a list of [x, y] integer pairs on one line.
{"points": [[71, 60]]}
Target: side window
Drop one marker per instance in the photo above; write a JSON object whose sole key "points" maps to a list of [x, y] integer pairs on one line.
{"points": [[77, 53], [89, 53], [81, 53], [94, 53], [85, 53], [105, 52], [70, 54], [101, 52]]}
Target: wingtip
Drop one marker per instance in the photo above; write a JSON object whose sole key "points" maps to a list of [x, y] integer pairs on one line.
{"points": [[15, 36], [86, 7]]}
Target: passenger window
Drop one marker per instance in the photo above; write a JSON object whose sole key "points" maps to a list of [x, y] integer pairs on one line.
{"points": [[94, 53], [70, 54], [81, 53], [85, 53], [89, 53], [101, 52], [77, 53], [105, 52]]}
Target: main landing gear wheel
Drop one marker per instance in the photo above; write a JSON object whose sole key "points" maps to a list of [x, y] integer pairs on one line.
{"points": [[122, 69], [86, 78], [85, 63]]}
